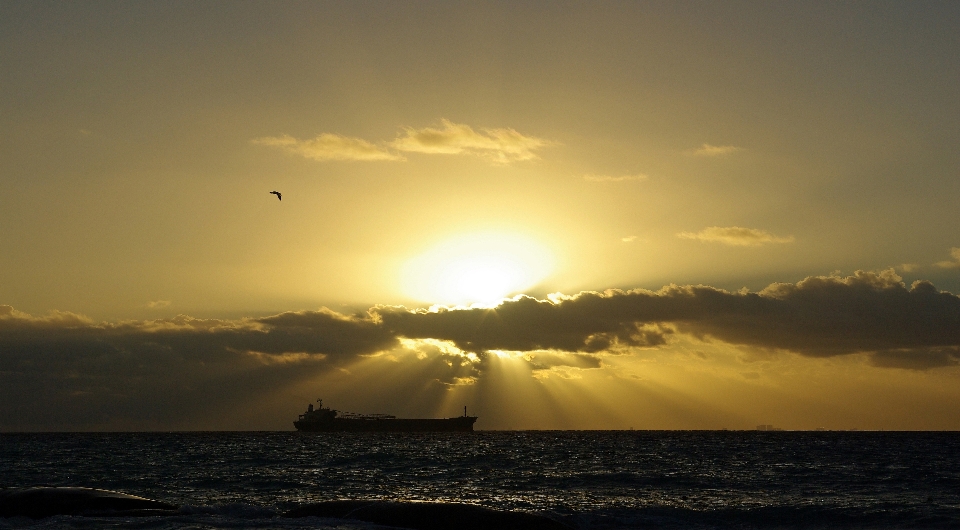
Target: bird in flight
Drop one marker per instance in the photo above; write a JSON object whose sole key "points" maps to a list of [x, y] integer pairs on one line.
{"points": [[277, 193]]}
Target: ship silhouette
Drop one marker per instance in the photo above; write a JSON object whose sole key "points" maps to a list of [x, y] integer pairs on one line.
{"points": [[325, 419]]}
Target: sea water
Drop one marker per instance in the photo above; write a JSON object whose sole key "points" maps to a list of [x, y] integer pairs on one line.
{"points": [[586, 479]]}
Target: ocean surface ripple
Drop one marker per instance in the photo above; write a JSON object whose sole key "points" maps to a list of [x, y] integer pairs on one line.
{"points": [[586, 479]]}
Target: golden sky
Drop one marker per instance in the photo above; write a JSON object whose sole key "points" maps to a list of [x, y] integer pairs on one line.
{"points": [[657, 215]]}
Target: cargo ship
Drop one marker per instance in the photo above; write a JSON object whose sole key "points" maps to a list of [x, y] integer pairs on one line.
{"points": [[325, 419]]}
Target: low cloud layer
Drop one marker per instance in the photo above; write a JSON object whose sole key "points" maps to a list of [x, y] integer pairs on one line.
{"points": [[185, 372], [735, 236], [819, 316]]}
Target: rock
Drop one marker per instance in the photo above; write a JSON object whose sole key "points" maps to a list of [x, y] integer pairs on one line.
{"points": [[48, 501]]}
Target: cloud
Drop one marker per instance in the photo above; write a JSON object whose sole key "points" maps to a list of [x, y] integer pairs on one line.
{"points": [[522, 324], [628, 239], [53, 319], [916, 360], [158, 304], [547, 360], [621, 178], [954, 264], [715, 150], [818, 316], [329, 146], [498, 145], [735, 236], [181, 372], [321, 333]]}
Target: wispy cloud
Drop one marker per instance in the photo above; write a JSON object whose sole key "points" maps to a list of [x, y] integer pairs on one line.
{"points": [[628, 239], [563, 365], [735, 236], [951, 264], [158, 304], [715, 150], [497, 145], [329, 146], [609, 178]]}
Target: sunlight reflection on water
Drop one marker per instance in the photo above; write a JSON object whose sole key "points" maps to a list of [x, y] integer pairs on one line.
{"points": [[618, 477]]}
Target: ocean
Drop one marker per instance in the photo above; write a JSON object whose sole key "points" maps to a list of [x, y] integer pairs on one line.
{"points": [[585, 479]]}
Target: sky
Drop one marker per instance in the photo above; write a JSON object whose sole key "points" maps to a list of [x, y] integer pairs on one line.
{"points": [[562, 215]]}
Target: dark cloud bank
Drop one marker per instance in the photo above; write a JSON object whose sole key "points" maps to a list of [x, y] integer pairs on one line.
{"points": [[173, 364]]}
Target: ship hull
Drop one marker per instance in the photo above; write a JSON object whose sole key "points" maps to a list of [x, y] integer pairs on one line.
{"points": [[460, 424]]}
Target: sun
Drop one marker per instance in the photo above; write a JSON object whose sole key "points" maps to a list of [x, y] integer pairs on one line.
{"points": [[479, 268]]}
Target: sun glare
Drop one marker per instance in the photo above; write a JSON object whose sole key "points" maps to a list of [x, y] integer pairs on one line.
{"points": [[480, 268]]}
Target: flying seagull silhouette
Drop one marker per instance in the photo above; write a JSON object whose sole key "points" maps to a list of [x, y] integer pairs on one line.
{"points": [[277, 193]]}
